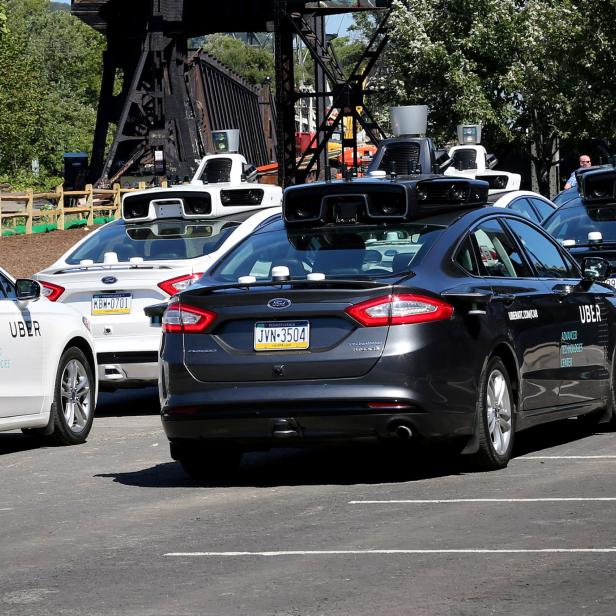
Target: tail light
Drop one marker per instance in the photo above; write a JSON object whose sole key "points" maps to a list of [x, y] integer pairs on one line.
{"points": [[400, 310], [51, 291], [175, 285], [183, 319]]}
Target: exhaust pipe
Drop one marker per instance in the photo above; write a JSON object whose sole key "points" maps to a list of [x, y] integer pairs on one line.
{"points": [[401, 431]]}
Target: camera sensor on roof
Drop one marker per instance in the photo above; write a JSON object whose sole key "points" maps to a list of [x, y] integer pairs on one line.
{"points": [[598, 186], [145, 207]]}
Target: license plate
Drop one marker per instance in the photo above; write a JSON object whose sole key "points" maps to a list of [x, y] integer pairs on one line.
{"points": [[282, 336], [112, 303]]}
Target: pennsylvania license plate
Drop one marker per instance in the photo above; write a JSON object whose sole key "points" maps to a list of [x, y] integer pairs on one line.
{"points": [[282, 336], [112, 303]]}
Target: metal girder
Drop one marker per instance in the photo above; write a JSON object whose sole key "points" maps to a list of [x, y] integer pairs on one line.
{"points": [[348, 94], [158, 106]]}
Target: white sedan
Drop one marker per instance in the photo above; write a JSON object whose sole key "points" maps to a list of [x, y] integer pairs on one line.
{"points": [[48, 383], [144, 258], [530, 204]]}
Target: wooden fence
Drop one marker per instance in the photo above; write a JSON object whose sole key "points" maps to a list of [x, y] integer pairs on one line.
{"points": [[85, 204]]}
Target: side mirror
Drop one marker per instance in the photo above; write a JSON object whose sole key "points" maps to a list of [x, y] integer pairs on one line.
{"points": [[27, 290], [596, 269], [155, 313]]}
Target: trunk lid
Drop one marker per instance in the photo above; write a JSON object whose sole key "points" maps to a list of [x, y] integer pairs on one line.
{"points": [[298, 314], [115, 307]]}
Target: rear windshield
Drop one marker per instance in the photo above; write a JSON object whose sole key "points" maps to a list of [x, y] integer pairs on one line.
{"points": [[576, 223], [153, 241], [337, 252]]}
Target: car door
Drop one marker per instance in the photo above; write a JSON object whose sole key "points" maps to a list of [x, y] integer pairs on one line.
{"points": [[581, 312], [522, 306], [22, 357]]}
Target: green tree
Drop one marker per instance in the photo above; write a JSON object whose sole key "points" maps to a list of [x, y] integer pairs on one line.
{"points": [[533, 72], [254, 64], [20, 105], [50, 67], [2, 18]]}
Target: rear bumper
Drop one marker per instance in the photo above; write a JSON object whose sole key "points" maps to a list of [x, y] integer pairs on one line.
{"points": [[293, 427], [127, 369]]}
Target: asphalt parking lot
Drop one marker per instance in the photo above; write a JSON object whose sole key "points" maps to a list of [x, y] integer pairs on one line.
{"points": [[115, 527]]}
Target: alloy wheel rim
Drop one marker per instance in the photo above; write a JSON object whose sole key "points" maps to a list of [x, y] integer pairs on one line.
{"points": [[76, 395], [499, 412]]}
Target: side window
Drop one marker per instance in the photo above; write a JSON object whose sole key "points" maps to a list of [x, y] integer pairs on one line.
{"points": [[466, 259], [497, 253], [7, 290], [542, 252], [542, 207], [522, 206]]}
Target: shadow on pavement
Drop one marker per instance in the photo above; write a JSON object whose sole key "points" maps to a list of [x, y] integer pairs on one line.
{"points": [[13, 442], [343, 465], [125, 402], [552, 435], [346, 464]]}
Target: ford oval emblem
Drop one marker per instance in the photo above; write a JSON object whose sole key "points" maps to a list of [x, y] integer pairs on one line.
{"points": [[109, 280], [279, 302]]}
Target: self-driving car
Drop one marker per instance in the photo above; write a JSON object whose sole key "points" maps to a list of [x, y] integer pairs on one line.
{"points": [[586, 223], [530, 204], [164, 241], [47, 365], [400, 309]]}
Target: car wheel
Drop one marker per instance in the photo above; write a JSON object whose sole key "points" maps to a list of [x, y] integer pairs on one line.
{"points": [[73, 406], [496, 418], [203, 461]]}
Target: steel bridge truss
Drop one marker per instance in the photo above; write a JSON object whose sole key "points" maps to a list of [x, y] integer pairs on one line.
{"points": [[171, 101]]}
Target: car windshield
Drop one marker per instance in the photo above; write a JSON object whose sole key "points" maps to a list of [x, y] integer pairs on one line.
{"points": [[154, 241], [336, 252], [575, 223]]}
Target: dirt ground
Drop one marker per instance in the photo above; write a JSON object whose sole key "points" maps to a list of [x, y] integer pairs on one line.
{"points": [[24, 255]]}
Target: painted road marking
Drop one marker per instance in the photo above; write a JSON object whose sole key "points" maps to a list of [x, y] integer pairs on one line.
{"points": [[605, 457], [482, 500], [386, 552]]}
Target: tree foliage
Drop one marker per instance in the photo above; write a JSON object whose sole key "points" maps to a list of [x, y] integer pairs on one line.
{"points": [[533, 72], [254, 64], [50, 67]]}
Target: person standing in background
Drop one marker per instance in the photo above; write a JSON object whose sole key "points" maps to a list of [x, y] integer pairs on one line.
{"points": [[584, 164]]}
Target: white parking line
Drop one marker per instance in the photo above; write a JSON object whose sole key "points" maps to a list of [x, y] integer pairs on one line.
{"points": [[393, 552], [482, 500], [605, 457]]}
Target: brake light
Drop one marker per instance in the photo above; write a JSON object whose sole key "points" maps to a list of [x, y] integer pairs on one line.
{"points": [[400, 310], [183, 319], [175, 285], [51, 291]]}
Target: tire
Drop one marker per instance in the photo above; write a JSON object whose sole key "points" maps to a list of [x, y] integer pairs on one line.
{"points": [[496, 418], [202, 461], [73, 407]]}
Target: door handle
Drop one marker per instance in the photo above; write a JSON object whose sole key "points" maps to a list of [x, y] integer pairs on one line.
{"points": [[506, 298], [562, 292]]}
